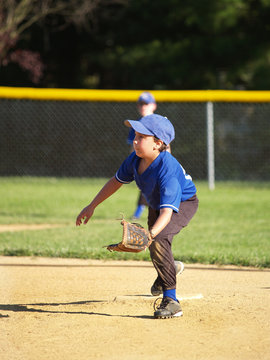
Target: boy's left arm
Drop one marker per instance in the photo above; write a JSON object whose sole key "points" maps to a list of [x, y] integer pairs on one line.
{"points": [[161, 222]]}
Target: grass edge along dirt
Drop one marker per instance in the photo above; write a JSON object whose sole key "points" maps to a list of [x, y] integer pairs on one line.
{"points": [[231, 226]]}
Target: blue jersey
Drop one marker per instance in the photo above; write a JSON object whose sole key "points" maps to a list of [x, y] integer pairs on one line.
{"points": [[164, 183], [131, 136]]}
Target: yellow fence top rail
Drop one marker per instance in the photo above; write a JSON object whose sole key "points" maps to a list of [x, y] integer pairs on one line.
{"points": [[132, 95]]}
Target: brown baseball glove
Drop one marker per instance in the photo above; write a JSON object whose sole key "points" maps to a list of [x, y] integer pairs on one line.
{"points": [[135, 238]]}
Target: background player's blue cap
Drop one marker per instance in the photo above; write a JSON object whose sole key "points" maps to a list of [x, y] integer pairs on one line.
{"points": [[154, 125], [147, 98]]}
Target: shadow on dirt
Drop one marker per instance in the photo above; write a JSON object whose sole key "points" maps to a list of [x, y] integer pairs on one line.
{"points": [[29, 308]]}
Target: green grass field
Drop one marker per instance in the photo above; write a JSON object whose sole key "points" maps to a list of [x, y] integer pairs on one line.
{"points": [[232, 225]]}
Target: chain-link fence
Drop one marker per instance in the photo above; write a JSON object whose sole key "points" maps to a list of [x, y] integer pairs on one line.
{"points": [[88, 138]]}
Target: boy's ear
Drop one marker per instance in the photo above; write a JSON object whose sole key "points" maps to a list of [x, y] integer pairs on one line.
{"points": [[158, 143]]}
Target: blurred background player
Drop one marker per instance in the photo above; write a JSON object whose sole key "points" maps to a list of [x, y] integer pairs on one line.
{"points": [[146, 105]]}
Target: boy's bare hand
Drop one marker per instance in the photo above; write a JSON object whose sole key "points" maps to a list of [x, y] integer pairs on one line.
{"points": [[84, 215]]}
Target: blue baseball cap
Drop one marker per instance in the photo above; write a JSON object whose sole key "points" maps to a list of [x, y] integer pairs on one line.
{"points": [[147, 98], [154, 125]]}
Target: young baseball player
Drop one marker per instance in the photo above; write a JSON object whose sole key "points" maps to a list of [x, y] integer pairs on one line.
{"points": [[146, 105], [170, 193]]}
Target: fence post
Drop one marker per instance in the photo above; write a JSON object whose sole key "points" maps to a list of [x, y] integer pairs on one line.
{"points": [[210, 145]]}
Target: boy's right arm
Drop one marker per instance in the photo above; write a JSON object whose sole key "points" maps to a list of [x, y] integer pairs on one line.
{"points": [[108, 189]]}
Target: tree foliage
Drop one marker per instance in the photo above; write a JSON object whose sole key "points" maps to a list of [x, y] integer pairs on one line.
{"points": [[18, 17], [135, 44]]}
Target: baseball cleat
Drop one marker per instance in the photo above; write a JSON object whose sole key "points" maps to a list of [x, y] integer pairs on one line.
{"points": [[168, 308], [179, 267], [156, 288]]}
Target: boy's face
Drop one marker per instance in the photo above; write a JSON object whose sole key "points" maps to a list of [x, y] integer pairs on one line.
{"points": [[146, 146], [146, 109]]}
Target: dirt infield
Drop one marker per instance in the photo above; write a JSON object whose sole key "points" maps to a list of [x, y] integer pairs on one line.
{"points": [[85, 309]]}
